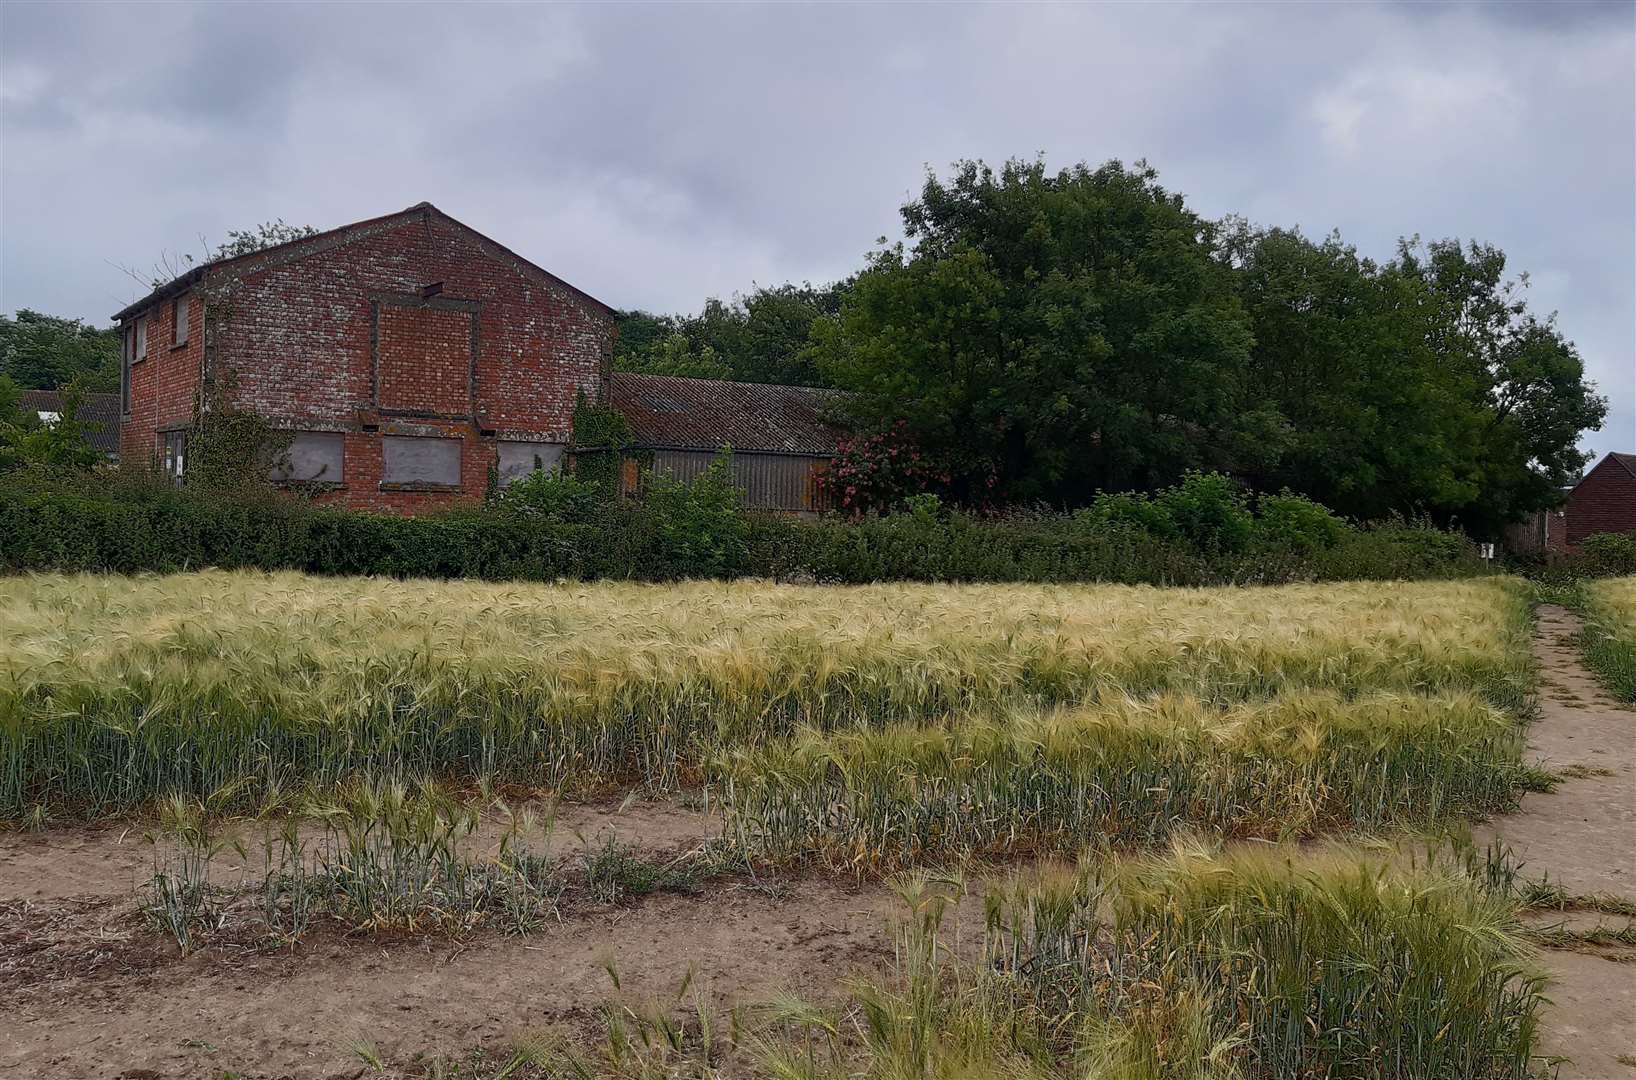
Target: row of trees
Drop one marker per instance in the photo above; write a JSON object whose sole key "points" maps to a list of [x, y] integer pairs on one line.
{"points": [[764, 336], [1039, 336], [44, 352]]}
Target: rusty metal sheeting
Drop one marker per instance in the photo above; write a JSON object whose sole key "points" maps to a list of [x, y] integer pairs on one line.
{"points": [[784, 482]]}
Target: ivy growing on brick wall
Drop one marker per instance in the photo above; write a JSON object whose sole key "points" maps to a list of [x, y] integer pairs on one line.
{"points": [[230, 449], [599, 444]]}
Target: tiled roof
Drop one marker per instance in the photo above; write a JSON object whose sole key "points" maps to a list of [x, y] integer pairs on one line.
{"points": [[669, 412], [1627, 460], [100, 409]]}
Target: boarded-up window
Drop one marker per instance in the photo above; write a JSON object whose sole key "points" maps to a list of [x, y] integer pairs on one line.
{"points": [[173, 455], [416, 459], [424, 360], [519, 459], [312, 457], [178, 320]]}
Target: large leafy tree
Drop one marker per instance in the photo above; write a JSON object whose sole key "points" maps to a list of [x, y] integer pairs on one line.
{"points": [[1368, 419], [1531, 396], [1049, 334], [1421, 385], [44, 352]]}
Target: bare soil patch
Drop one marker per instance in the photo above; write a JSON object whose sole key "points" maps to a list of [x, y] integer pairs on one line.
{"points": [[112, 860], [111, 1009]]}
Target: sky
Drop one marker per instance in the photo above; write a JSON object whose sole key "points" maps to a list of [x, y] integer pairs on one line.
{"points": [[657, 155]]}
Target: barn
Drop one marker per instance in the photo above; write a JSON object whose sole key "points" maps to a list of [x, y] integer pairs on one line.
{"points": [[781, 437]]}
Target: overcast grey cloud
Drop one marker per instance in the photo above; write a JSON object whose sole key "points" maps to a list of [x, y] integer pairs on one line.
{"points": [[655, 155]]}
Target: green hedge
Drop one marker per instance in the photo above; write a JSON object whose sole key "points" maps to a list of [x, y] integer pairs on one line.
{"points": [[132, 528]]}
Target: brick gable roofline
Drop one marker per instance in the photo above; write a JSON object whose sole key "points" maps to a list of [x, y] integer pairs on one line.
{"points": [[294, 250]]}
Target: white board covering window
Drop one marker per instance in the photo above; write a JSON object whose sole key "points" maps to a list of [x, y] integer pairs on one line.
{"points": [[520, 459], [173, 455], [418, 459], [312, 457]]}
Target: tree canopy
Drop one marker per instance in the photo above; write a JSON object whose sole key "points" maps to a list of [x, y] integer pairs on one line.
{"points": [[763, 336], [1050, 335], [43, 352], [1046, 335]]}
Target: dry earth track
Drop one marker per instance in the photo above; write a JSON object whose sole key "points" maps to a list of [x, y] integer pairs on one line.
{"points": [[1582, 836]]}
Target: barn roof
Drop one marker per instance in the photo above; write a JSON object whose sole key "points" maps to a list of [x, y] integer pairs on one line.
{"points": [[671, 412], [100, 409], [303, 246]]}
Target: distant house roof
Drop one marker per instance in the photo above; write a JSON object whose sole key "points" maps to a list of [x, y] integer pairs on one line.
{"points": [[303, 246], [101, 409], [670, 412], [1627, 460]]}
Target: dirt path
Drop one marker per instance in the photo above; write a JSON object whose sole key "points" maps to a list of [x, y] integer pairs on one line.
{"points": [[1582, 837]]}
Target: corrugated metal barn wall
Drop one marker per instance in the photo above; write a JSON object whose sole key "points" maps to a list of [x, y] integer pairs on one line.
{"points": [[769, 481]]}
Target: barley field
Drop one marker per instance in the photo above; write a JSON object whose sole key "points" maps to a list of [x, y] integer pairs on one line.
{"points": [[1169, 803], [244, 688], [1610, 633]]}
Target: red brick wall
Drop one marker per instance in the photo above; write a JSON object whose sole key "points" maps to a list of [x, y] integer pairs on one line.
{"points": [[1605, 501], [307, 340], [164, 384], [424, 356]]}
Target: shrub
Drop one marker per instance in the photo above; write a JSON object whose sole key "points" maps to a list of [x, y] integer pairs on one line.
{"points": [[1297, 523], [875, 473], [1209, 511], [1133, 509], [700, 523], [553, 494], [550, 527], [1609, 553]]}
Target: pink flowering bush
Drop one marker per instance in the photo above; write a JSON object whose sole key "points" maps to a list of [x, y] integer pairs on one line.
{"points": [[876, 473]]}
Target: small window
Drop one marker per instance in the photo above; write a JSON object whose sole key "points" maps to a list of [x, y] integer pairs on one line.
{"points": [[313, 457], [178, 311], [420, 461], [520, 459], [141, 338], [173, 455]]}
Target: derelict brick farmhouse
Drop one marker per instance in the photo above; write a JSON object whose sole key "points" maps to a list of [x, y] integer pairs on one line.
{"points": [[408, 354]]}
